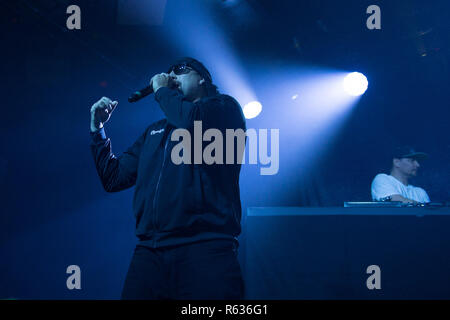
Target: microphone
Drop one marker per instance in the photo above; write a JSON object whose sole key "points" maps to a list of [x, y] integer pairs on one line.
{"points": [[138, 95]]}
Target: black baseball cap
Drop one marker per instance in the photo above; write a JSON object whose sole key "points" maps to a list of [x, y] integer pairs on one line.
{"points": [[408, 152], [194, 64]]}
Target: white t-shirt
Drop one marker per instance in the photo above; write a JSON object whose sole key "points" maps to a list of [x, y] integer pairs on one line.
{"points": [[384, 185]]}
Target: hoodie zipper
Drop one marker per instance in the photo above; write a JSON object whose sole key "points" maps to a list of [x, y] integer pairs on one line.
{"points": [[157, 186]]}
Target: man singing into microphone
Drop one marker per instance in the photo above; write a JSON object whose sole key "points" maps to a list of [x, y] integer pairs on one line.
{"points": [[187, 215]]}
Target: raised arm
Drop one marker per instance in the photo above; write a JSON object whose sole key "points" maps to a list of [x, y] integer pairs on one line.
{"points": [[116, 173], [215, 112]]}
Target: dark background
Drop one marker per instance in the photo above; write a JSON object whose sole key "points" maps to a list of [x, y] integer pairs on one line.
{"points": [[54, 210]]}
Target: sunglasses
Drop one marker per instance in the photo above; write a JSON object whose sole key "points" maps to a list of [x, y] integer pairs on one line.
{"points": [[181, 69]]}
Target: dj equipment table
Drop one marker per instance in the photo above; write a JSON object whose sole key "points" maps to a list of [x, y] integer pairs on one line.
{"points": [[324, 253]]}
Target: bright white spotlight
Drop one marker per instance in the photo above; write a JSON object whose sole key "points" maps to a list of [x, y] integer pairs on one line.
{"points": [[355, 84], [252, 109]]}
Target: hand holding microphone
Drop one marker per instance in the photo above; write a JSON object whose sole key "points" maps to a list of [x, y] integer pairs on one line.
{"points": [[157, 81], [101, 110], [162, 80]]}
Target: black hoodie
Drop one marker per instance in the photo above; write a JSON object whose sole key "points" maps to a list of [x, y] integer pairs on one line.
{"points": [[177, 204]]}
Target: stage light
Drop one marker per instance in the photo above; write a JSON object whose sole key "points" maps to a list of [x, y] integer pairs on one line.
{"points": [[355, 84], [212, 48], [252, 109]]}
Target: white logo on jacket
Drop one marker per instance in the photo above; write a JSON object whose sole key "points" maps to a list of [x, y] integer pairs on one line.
{"points": [[156, 131]]}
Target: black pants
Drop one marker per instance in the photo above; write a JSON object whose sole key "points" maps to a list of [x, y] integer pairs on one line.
{"points": [[202, 270]]}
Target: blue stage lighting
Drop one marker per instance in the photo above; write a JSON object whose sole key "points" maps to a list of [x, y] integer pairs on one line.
{"points": [[355, 84], [252, 109]]}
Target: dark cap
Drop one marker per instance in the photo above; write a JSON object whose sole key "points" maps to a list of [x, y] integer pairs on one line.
{"points": [[194, 64], [408, 152]]}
